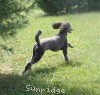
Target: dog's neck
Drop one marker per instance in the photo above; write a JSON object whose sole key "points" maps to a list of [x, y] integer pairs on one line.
{"points": [[62, 33]]}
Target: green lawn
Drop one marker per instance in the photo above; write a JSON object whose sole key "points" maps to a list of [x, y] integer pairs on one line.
{"points": [[52, 75]]}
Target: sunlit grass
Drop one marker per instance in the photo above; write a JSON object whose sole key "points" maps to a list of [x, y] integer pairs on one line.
{"points": [[80, 76]]}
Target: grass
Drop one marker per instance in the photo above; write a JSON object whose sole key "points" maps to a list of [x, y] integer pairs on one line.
{"points": [[80, 76]]}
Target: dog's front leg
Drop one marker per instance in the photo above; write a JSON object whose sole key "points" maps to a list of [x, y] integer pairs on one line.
{"points": [[65, 54]]}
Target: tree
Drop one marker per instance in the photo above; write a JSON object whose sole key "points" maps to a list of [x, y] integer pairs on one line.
{"points": [[13, 16]]}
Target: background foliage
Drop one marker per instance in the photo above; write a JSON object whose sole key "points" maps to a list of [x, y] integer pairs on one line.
{"points": [[67, 6], [13, 15]]}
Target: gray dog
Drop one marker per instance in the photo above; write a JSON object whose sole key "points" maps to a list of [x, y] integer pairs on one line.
{"points": [[55, 43]]}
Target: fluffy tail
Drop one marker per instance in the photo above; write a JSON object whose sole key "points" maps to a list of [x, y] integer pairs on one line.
{"points": [[37, 37], [56, 25]]}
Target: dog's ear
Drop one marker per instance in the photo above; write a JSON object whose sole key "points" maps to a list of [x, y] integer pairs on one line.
{"points": [[56, 25]]}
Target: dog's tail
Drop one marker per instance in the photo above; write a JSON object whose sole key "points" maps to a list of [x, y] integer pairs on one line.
{"points": [[37, 37], [56, 25]]}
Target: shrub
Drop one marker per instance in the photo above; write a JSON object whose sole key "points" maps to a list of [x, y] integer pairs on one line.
{"points": [[51, 6], [69, 6]]}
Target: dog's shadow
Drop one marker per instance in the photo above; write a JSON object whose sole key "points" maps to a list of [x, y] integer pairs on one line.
{"points": [[72, 64], [43, 71]]}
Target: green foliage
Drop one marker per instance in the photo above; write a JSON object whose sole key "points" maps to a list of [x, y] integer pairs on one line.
{"points": [[12, 15], [73, 6], [93, 4], [68, 6], [51, 6]]}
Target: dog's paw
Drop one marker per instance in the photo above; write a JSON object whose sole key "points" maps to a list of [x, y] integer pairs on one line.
{"points": [[66, 59]]}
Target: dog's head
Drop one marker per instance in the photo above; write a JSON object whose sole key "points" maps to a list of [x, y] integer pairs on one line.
{"points": [[64, 27]]}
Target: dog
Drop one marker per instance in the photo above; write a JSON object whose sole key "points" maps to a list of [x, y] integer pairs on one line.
{"points": [[55, 43]]}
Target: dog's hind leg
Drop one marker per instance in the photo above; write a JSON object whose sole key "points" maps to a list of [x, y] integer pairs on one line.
{"points": [[38, 55], [33, 55]]}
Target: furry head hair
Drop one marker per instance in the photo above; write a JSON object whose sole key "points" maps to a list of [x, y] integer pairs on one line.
{"points": [[64, 27]]}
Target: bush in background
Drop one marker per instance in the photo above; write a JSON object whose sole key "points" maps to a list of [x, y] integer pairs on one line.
{"points": [[67, 6], [51, 6]]}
